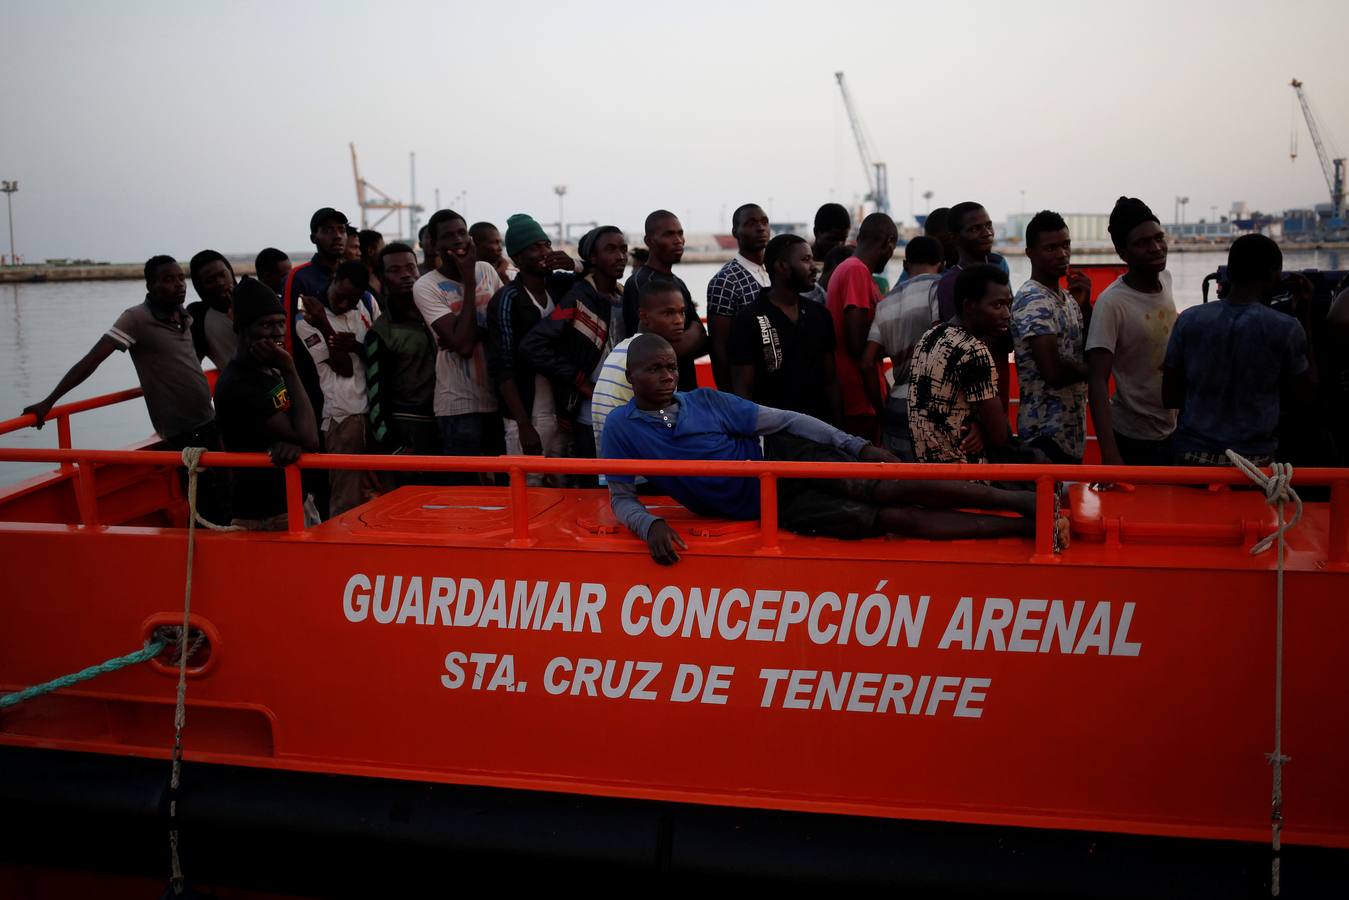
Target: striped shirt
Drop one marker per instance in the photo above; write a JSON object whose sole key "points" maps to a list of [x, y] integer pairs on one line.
{"points": [[611, 388]]}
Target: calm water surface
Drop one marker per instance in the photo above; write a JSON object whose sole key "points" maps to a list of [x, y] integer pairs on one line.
{"points": [[45, 328]]}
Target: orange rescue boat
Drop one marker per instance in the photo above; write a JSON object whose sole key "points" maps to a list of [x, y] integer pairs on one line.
{"points": [[503, 672]]}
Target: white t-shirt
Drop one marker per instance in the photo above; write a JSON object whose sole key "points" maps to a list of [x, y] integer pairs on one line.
{"points": [[902, 318], [342, 396], [1136, 327], [462, 385]]}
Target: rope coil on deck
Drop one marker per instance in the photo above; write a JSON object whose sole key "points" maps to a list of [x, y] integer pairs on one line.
{"points": [[1278, 491]]}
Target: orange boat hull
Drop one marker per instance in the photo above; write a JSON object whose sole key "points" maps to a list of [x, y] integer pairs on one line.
{"points": [[974, 700]]}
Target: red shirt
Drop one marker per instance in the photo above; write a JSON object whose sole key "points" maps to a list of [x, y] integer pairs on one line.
{"points": [[851, 285]]}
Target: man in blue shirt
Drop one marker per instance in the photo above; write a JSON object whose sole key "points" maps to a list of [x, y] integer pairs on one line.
{"points": [[1229, 362], [661, 423]]}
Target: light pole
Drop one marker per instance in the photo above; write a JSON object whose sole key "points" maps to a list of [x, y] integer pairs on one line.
{"points": [[927, 200], [561, 191], [1183, 202], [9, 187]]}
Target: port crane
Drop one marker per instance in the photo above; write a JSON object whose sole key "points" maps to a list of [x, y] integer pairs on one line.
{"points": [[369, 197], [878, 176], [1332, 166]]}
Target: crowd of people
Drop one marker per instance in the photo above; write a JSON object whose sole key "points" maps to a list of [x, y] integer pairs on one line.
{"points": [[482, 343]]}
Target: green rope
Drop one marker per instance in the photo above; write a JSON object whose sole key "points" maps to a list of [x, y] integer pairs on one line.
{"points": [[151, 650]]}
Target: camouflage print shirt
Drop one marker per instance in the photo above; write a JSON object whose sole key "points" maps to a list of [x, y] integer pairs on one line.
{"points": [[1044, 411], [951, 371]]}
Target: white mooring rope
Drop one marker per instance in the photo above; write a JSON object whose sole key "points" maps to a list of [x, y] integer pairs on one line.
{"points": [[191, 459], [1278, 490]]}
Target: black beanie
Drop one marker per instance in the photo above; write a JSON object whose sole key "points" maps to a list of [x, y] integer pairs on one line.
{"points": [[1128, 214], [252, 301], [591, 239]]}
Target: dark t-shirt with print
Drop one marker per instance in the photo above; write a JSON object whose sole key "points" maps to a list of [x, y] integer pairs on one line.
{"points": [[245, 398], [788, 357]]}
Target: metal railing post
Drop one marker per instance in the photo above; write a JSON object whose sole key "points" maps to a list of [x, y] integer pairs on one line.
{"points": [[63, 438], [1044, 519], [294, 500], [519, 508], [86, 496], [768, 515]]}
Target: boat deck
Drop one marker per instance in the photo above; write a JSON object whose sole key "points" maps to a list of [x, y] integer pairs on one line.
{"points": [[1137, 526]]}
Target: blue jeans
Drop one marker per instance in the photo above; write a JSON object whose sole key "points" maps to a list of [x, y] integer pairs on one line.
{"points": [[472, 434]]}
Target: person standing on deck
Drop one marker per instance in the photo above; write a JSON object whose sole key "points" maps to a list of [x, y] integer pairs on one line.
{"points": [[430, 258], [264, 408], [328, 234], [661, 423], [466, 400], [400, 356], [1130, 328], [953, 384], [336, 341], [543, 277], [1229, 363], [372, 242], [569, 345], [307, 283], [212, 330], [1049, 335], [831, 229], [272, 267], [936, 225], [901, 319], [736, 285], [158, 336], [782, 345], [661, 312], [351, 251], [487, 238], [972, 230], [853, 296], [665, 241]]}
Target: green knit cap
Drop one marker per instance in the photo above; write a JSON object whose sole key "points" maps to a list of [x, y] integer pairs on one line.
{"points": [[521, 232]]}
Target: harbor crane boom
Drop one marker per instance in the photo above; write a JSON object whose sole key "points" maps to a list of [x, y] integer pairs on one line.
{"points": [[1331, 166], [878, 176], [379, 200]]}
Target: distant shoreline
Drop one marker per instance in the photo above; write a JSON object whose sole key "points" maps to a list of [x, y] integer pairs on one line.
{"points": [[44, 272]]}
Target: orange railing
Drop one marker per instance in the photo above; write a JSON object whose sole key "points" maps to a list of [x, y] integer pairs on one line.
{"points": [[768, 473]]}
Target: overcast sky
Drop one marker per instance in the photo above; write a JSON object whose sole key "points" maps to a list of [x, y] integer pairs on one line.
{"points": [[143, 127]]}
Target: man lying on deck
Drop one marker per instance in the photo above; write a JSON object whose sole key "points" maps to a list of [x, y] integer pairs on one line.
{"points": [[660, 423]]}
